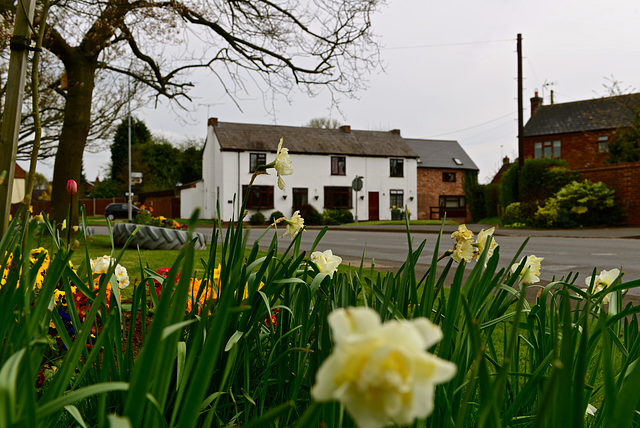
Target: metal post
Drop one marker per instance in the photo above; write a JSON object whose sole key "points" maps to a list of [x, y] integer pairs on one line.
{"points": [[13, 105], [129, 209]]}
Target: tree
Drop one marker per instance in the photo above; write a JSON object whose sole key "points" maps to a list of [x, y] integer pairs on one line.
{"points": [[625, 146], [324, 123], [327, 43], [120, 149]]}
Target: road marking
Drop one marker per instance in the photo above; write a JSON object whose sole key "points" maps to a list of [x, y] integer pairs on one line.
{"points": [[604, 254]]}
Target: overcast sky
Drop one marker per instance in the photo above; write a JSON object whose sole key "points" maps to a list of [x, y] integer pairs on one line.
{"points": [[450, 73]]}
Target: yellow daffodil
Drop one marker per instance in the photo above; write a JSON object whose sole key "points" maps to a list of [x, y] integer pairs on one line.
{"points": [[327, 263], [294, 225], [530, 274], [282, 164]]}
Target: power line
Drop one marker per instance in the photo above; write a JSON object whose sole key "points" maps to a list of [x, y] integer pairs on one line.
{"points": [[447, 44], [474, 126]]}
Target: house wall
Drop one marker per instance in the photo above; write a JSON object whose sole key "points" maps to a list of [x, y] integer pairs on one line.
{"points": [[625, 179], [231, 171], [192, 198], [579, 149], [431, 187]]}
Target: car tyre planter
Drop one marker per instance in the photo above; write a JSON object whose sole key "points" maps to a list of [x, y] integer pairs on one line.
{"points": [[155, 238]]}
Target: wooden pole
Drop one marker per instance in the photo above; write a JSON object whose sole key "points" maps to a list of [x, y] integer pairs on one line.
{"points": [[13, 105], [520, 109]]}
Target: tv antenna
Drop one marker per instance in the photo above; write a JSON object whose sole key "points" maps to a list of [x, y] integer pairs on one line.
{"points": [[546, 85]]}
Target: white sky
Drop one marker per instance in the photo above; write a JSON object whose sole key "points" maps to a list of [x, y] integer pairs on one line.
{"points": [[450, 73]]}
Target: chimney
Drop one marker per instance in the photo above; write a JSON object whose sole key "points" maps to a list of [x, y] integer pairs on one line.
{"points": [[346, 129], [536, 103], [505, 160], [213, 121], [395, 131]]}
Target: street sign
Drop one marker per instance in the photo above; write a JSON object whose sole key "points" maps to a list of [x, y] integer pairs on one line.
{"points": [[136, 175], [136, 180], [356, 184]]}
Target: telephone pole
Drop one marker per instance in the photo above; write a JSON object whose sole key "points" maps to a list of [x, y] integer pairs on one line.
{"points": [[520, 118]]}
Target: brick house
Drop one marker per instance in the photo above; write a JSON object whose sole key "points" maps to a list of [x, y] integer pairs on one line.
{"points": [[578, 132], [442, 165]]}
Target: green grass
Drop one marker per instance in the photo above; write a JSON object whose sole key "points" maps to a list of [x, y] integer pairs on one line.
{"points": [[402, 222]]}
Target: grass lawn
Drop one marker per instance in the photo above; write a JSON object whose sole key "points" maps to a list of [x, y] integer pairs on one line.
{"points": [[401, 222]]}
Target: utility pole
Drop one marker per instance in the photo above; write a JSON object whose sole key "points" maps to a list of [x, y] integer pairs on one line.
{"points": [[13, 105], [520, 113]]}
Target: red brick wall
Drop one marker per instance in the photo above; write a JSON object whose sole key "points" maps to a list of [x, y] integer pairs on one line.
{"points": [[625, 179], [580, 150], [431, 187]]}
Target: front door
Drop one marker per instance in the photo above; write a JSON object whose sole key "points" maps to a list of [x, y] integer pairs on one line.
{"points": [[374, 206]]}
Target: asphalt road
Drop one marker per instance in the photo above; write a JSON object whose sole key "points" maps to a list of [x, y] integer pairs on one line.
{"points": [[564, 251]]}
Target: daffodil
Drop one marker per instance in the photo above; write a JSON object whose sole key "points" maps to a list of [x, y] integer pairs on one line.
{"points": [[381, 373], [530, 273], [464, 250], [294, 225], [282, 164], [602, 281], [462, 234], [327, 263], [481, 242]]}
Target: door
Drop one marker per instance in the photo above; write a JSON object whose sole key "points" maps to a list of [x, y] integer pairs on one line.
{"points": [[374, 206]]}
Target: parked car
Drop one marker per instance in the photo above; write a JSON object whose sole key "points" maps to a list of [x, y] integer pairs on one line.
{"points": [[120, 210]]}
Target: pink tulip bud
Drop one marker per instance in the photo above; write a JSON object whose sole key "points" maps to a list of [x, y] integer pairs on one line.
{"points": [[72, 186]]}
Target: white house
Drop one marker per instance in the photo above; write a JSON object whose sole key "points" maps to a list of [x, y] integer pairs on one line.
{"points": [[325, 163]]}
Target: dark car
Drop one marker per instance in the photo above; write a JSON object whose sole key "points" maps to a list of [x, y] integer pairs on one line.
{"points": [[120, 210]]}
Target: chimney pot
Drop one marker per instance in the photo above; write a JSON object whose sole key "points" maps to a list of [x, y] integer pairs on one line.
{"points": [[395, 131], [346, 129], [505, 160], [213, 121], [536, 103]]}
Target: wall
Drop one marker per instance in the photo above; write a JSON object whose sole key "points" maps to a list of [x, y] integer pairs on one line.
{"points": [[580, 149], [192, 198], [625, 179], [431, 187]]}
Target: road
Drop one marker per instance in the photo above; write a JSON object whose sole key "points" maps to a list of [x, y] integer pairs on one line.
{"points": [[563, 254]]}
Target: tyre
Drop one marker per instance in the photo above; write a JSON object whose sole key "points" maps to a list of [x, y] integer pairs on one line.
{"points": [[155, 238]]}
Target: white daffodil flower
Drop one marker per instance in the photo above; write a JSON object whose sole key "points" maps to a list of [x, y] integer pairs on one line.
{"points": [[464, 250], [282, 164], [381, 373], [294, 225], [602, 281], [122, 276], [530, 274], [481, 242], [327, 263], [462, 234]]}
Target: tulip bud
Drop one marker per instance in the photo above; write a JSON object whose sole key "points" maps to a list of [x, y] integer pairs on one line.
{"points": [[72, 186]]}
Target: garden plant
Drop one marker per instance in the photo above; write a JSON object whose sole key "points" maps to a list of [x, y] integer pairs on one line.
{"points": [[284, 339]]}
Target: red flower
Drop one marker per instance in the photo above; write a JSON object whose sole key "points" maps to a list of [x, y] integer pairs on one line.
{"points": [[72, 186]]}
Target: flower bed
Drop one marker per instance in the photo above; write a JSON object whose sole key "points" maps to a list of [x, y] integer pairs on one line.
{"points": [[155, 238]]}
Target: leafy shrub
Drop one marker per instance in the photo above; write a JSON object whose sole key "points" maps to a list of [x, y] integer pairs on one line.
{"points": [[492, 199], [519, 212], [509, 186], [311, 215], [274, 216], [334, 217], [541, 178], [145, 218], [580, 204], [474, 193], [256, 219]]}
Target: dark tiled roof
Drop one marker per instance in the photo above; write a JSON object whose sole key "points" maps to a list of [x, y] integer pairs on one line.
{"points": [[241, 136], [441, 154], [589, 115]]}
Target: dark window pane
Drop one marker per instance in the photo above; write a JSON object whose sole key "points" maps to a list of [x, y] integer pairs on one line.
{"points": [[336, 197], [255, 160], [449, 177], [396, 198], [396, 168], [259, 197], [300, 197], [338, 165]]}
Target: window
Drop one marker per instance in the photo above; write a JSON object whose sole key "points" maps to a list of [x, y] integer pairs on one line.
{"points": [[338, 165], [449, 177], [453, 202], [603, 144], [457, 161], [396, 168], [300, 197], [255, 160], [396, 198], [260, 196], [336, 197], [547, 149]]}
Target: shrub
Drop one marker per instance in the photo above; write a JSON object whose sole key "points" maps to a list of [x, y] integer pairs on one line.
{"points": [[311, 215], [519, 212], [540, 179], [274, 216], [580, 203], [509, 186], [256, 219], [474, 193], [334, 217], [492, 199]]}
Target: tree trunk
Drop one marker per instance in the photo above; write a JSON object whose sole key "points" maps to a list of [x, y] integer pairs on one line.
{"points": [[73, 137]]}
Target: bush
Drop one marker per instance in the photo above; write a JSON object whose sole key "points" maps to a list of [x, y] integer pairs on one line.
{"points": [[540, 179], [274, 216], [335, 217], [580, 204], [492, 199], [256, 219], [509, 186], [474, 193], [519, 212], [311, 215]]}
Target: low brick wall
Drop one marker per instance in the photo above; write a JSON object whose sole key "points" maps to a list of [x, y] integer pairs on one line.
{"points": [[625, 179]]}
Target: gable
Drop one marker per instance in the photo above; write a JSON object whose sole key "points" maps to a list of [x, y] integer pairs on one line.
{"points": [[590, 115], [299, 140]]}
